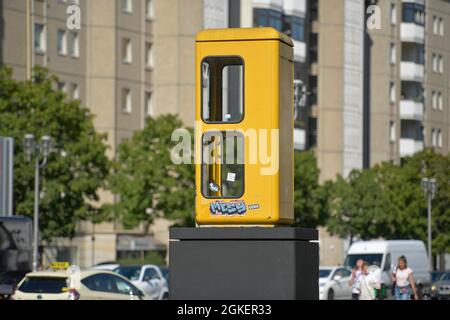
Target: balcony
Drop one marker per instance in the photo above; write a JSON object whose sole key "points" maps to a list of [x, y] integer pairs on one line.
{"points": [[409, 147], [411, 71], [299, 139], [411, 32], [294, 6], [299, 51], [411, 110]]}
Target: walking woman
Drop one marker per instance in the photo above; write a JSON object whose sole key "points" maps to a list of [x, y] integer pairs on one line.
{"points": [[403, 279], [354, 279]]}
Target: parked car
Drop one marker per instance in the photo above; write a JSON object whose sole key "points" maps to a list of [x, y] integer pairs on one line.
{"points": [[8, 283], [334, 283], [440, 289], [385, 253], [148, 278], [84, 285], [165, 273], [108, 266]]}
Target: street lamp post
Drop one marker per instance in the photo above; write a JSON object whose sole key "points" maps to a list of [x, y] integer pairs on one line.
{"points": [[429, 187], [31, 149]]}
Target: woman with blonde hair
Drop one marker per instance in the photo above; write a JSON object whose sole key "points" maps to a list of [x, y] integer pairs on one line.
{"points": [[404, 281]]}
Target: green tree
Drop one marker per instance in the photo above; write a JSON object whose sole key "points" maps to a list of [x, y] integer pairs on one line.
{"points": [[357, 206], [387, 201], [310, 198], [78, 164], [147, 182]]}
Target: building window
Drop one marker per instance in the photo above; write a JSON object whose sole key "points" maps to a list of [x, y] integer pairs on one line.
{"points": [[414, 13], [62, 86], [434, 98], [393, 14], [39, 37], [435, 62], [393, 54], [393, 132], [61, 42], [149, 56], [150, 9], [435, 25], [433, 138], [75, 92], [127, 6], [149, 105], [440, 142], [295, 27], [440, 101], [393, 94], [127, 52], [74, 45], [441, 64], [126, 101], [441, 26], [268, 18]]}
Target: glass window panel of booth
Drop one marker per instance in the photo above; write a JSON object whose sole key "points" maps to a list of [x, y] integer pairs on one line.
{"points": [[223, 89], [223, 165]]}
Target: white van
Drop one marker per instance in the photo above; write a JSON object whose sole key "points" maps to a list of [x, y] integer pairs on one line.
{"points": [[385, 254]]}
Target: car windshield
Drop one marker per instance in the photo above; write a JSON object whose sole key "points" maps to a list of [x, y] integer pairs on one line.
{"points": [[371, 259], [165, 273], [43, 285], [131, 273], [323, 273], [445, 277]]}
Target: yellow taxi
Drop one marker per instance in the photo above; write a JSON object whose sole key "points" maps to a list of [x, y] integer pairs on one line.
{"points": [[65, 282]]}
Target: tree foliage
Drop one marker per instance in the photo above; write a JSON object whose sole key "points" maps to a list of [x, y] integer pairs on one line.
{"points": [[148, 184], [78, 164], [310, 198], [387, 201]]}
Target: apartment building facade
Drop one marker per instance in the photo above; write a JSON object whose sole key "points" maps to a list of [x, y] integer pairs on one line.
{"points": [[128, 59], [369, 95]]}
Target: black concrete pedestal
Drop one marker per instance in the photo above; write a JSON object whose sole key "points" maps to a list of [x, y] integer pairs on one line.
{"points": [[243, 264]]}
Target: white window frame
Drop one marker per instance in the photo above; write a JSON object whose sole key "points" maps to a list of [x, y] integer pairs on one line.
{"points": [[127, 101], [149, 55], [440, 142], [441, 27], [392, 131], [435, 25], [42, 38], [127, 6], [63, 50], [392, 92], [434, 99], [441, 64], [393, 53], [440, 103], [433, 137], [435, 62], [393, 14], [127, 51], [150, 9], [149, 108], [75, 91], [74, 45]]}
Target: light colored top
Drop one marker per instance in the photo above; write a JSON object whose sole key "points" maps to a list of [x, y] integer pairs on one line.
{"points": [[402, 277], [356, 285], [368, 284]]}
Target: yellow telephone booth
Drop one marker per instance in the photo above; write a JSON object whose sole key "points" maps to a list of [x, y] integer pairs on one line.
{"points": [[244, 130]]}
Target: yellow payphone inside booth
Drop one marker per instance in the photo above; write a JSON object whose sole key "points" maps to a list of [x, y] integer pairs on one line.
{"points": [[244, 127]]}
